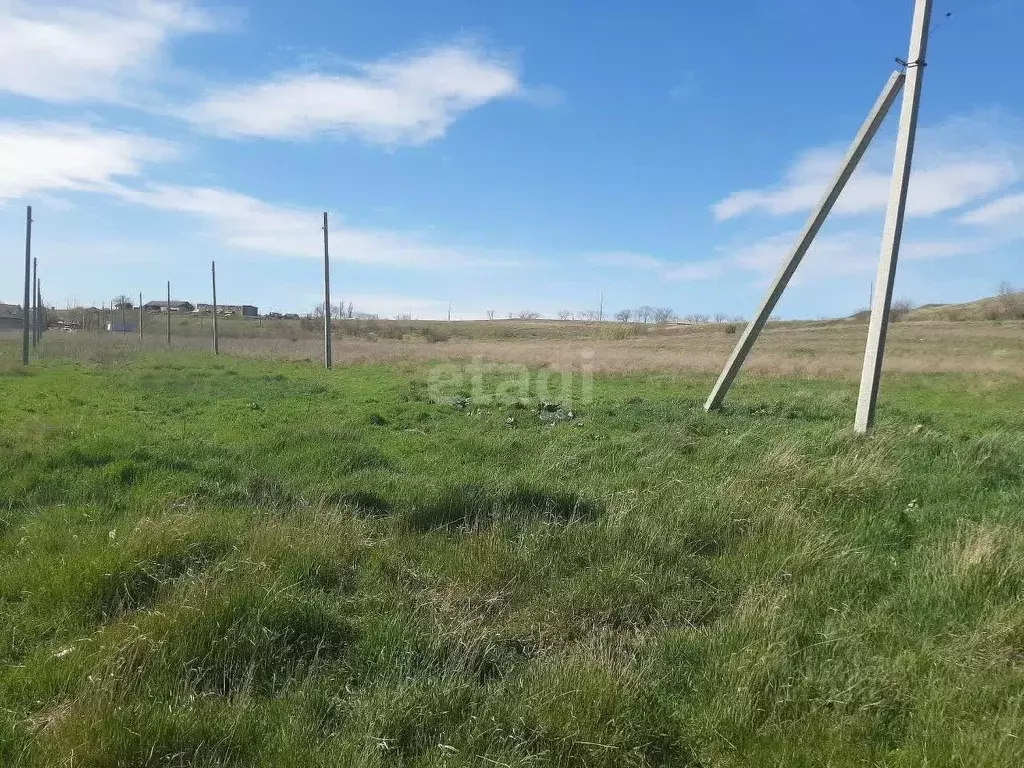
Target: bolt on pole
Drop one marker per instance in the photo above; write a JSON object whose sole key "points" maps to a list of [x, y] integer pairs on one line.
{"points": [[856, 152], [892, 235], [216, 337]]}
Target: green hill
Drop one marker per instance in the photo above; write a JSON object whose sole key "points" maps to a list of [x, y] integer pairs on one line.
{"points": [[1006, 306]]}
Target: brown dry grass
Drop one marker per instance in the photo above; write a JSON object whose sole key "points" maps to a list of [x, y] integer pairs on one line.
{"points": [[802, 349]]}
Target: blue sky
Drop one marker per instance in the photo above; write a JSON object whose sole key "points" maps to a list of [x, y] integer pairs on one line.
{"points": [[499, 155]]}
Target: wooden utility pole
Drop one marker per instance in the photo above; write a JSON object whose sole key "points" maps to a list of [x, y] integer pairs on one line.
{"points": [[814, 225], [892, 235], [328, 357], [216, 337], [26, 309], [141, 318], [168, 308]]}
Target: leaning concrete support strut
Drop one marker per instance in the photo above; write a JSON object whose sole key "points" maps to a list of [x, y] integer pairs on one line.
{"points": [[853, 158]]}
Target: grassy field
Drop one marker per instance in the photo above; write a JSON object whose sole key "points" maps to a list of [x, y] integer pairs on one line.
{"points": [[817, 349], [246, 562]]}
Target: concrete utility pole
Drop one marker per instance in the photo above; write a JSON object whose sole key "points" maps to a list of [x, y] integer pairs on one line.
{"points": [[168, 308], [893, 233], [124, 326], [35, 301], [328, 356], [141, 318], [216, 337], [814, 225], [26, 309]]}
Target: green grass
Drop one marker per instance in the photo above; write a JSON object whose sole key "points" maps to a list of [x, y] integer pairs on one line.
{"points": [[218, 562]]}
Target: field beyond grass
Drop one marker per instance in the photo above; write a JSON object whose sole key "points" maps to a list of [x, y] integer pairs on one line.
{"points": [[234, 562]]}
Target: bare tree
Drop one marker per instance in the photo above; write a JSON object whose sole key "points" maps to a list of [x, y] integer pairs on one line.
{"points": [[590, 315], [644, 313], [721, 317], [663, 315], [123, 302], [528, 314], [623, 315], [350, 310], [490, 314], [900, 309], [1011, 301], [565, 314]]}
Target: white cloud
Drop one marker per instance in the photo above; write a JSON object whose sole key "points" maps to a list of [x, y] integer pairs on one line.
{"points": [[42, 157], [247, 223], [88, 51], [838, 254], [956, 163], [410, 100], [1005, 209]]}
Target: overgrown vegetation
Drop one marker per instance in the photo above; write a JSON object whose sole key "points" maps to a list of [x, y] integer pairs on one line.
{"points": [[224, 562]]}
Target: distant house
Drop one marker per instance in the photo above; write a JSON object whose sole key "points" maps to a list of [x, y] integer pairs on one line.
{"points": [[175, 306], [245, 310], [11, 317]]}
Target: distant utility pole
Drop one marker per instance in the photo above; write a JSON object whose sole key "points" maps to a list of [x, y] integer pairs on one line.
{"points": [[39, 310], [216, 338], [893, 233], [124, 321], [328, 358], [141, 318], [853, 157], [27, 310], [168, 308], [600, 311], [35, 301], [449, 311]]}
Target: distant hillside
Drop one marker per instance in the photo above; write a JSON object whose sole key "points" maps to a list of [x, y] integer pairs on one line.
{"points": [[1008, 305]]}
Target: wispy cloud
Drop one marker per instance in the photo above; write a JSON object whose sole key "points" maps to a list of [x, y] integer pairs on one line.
{"points": [[88, 51], [246, 223], [957, 163], [1005, 209], [410, 100], [43, 157]]}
